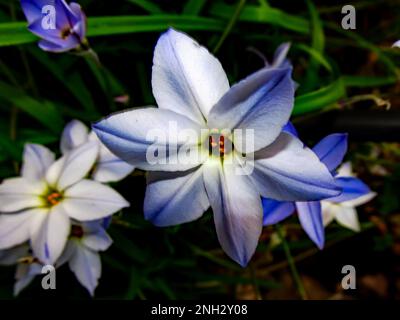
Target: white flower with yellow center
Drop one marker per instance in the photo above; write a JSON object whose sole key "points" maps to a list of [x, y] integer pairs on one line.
{"points": [[39, 205]]}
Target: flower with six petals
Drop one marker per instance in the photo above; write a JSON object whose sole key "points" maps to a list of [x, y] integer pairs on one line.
{"points": [[40, 205], [193, 93]]}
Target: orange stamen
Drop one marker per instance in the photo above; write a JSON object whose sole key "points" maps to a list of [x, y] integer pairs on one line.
{"points": [[221, 145], [54, 198]]}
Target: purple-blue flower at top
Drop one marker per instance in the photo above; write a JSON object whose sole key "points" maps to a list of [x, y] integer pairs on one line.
{"points": [[331, 151], [61, 26]]}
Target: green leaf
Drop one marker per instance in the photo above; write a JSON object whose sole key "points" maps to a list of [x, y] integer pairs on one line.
{"points": [[127, 247], [100, 26], [147, 5], [43, 111], [9, 147], [317, 100], [134, 284], [317, 56], [362, 82], [317, 44], [72, 81], [105, 78], [318, 38], [262, 14], [12, 33], [193, 7], [164, 287], [17, 33]]}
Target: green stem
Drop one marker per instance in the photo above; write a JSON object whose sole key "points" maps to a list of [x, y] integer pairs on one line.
{"points": [[292, 265], [230, 25], [92, 58]]}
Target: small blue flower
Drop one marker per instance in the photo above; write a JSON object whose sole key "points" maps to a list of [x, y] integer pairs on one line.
{"points": [[62, 27], [315, 215]]}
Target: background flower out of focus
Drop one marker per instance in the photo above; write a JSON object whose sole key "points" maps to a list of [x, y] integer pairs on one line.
{"points": [[348, 82]]}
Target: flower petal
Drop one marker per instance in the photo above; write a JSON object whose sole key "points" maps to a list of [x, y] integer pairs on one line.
{"points": [[345, 170], [262, 102], [280, 55], [33, 9], [18, 193], [287, 171], [67, 253], [346, 216], [359, 201], [47, 45], [99, 241], [237, 210], [290, 128], [276, 211], [15, 227], [89, 200], [331, 150], [86, 266], [328, 212], [152, 139], [186, 78], [54, 35], [74, 135], [175, 198], [72, 167], [353, 188], [310, 216], [49, 234], [24, 275], [36, 160], [110, 168], [79, 19], [396, 44]]}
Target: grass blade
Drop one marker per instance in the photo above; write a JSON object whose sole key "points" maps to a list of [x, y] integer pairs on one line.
{"points": [[193, 7], [262, 14], [16, 33], [43, 111], [317, 100], [149, 6]]}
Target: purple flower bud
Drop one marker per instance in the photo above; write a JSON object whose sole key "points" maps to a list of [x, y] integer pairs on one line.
{"points": [[62, 27]]}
